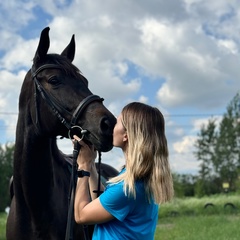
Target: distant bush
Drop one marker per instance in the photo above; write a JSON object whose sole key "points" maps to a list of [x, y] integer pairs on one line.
{"points": [[6, 171]]}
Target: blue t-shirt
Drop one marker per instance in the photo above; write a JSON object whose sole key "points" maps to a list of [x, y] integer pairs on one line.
{"points": [[134, 218]]}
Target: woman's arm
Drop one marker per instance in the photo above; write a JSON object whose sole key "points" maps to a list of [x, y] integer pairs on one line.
{"points": [[85, 211]]}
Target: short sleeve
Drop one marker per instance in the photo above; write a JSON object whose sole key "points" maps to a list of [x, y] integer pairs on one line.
{"points": [[114, 200]]}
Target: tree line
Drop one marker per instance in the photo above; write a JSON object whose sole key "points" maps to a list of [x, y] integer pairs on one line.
{"points": [[218, 152], [6, 171]]}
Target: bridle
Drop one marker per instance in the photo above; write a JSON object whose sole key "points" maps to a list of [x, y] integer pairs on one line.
{"points": [[57, 109], [54, 104]]}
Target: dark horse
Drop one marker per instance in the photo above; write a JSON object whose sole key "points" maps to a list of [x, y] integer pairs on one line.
{"points": [[54, 98]]}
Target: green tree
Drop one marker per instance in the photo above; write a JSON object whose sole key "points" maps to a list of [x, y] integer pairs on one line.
{"points": [[184, 185], [178, 188], [218, 150], [6, 171], [205, 145], [228, 147]]}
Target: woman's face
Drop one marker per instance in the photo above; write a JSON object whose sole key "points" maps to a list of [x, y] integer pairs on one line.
{"points": [[119, 134]]}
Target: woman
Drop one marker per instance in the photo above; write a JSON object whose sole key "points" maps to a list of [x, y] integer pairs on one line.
{"points": [[128, 208]]}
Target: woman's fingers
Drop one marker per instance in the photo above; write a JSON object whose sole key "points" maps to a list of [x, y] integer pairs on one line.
{"points": [[82, 143], [76, 138]]}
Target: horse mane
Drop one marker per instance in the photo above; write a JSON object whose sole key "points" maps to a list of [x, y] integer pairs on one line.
{"points": [[66, 66]]}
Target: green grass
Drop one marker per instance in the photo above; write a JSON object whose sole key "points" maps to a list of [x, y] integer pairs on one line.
{"points": [[3, 220], [187, 219], [212, 227], [196, 206]]}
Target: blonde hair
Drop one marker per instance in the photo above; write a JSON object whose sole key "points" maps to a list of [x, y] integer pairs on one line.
{"points": [[146, 153]]}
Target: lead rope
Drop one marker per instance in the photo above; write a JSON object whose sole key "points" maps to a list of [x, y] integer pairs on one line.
{"points": [[98, 191], [71, 196]]}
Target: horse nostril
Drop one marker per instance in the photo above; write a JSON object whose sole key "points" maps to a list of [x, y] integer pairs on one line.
{"points": [[105, 125]]}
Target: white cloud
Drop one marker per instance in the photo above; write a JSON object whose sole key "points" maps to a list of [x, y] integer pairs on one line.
{"points": [[189, 48], [182, 158], [143, 99], [15, 14], [19, 56], [121, 68], [184, 163], [10, 88], [229, 45], [186, 145]]}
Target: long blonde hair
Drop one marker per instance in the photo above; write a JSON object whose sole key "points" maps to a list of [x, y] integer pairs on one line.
{"points": [[146, 153]]}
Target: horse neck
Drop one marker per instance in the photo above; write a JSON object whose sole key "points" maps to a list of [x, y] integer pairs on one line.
{"points": [[40, 180], [35, 163]]}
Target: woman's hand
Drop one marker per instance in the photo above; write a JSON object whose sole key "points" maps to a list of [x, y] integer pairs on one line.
{"points": [[86, 156]]}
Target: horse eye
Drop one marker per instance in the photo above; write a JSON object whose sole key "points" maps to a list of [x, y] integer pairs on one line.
{"points": [[53, 80]]}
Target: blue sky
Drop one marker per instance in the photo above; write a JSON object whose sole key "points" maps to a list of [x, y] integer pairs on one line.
{"points": [[181, 56]]}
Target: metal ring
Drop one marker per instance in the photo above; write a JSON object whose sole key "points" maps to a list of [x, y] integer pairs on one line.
{"points": [[81, 130]]}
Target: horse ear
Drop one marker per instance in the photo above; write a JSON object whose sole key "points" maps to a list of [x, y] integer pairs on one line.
{"points": [[69, 51], [43, 45]]}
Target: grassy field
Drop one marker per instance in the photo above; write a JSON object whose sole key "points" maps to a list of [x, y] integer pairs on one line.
{"points": [[219, 204], [212, 227], [3, 218], [210, 218]]}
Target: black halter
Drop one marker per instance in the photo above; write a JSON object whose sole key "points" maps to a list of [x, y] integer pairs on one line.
{"points": [[55, 106]]}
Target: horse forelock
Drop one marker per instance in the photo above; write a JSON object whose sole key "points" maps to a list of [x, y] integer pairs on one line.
{"points": [[66, 66], [64, 63]]}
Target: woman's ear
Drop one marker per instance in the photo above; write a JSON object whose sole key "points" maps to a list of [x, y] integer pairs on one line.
{"points": [[125, 137]]}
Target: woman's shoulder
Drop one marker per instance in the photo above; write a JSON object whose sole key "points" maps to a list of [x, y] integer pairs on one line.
{"points": [[123, 170]]}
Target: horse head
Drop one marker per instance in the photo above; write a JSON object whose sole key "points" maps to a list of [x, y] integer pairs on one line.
{"points": [[62, 103]]}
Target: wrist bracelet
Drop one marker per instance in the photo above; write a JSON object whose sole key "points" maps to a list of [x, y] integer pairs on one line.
{"points": [[82, 173]]}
